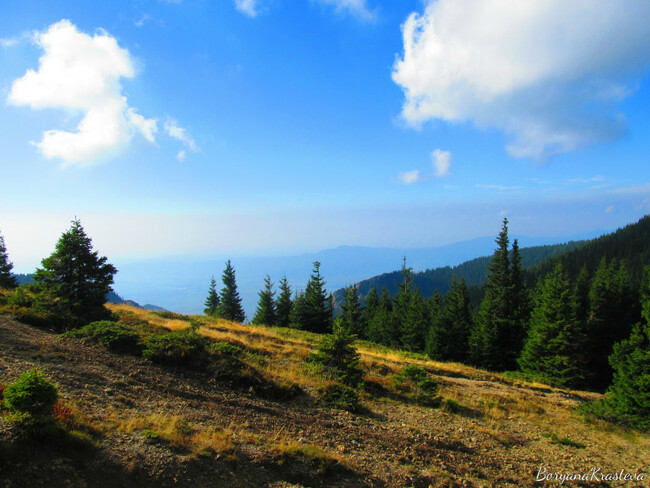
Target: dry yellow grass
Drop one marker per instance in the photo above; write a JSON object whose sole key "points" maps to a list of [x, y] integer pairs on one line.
{"points": [[178, 432]]}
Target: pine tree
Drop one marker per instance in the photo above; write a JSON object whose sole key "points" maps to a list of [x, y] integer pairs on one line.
{"points": [[490, 344], [553, 351], [284, 304], [230, 308], [337, 356], [351, 314], [7, 280], [614, 309], [382, 328], [519, 299], [266, 313], [212, 302], [315, 313], [629, 394], [450, 327], [369, 310], [77, 276], [581, 299]]}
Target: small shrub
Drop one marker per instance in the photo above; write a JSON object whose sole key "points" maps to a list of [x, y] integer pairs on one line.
{"points": [[172, 315], [31, 393], [179, 348], [565, 441], [220, 348], [112, 335], [452, 406], [337, 358], [415, 382], [340, 396]]}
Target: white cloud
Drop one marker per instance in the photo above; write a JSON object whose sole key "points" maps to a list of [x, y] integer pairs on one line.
{"points": [[410, 177], [247, 7], [357, 8], [547, 72], [8, 42], [80, 73], [177, 132], [441, 163], [609, 209]]}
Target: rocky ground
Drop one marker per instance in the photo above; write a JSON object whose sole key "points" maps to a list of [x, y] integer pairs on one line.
{"points": [[501, 434]]}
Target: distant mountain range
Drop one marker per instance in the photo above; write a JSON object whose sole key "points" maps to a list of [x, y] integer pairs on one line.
{"points": [[630, 243], [181, 284]]}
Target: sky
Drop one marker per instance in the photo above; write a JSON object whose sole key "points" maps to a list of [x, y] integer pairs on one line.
{"points": [[275, 127]]}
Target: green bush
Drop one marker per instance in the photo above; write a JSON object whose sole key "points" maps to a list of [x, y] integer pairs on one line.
{"points": [[337, 358], [180, 348], [32, 394], [112, 335], [220, 348], [340, 396], [172, 315], [415, 382]]}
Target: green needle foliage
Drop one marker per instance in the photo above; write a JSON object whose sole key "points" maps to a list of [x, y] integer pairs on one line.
{"points": [[284, 304], [313, 308], [351, 313], [497, 337], [629, 394], [212, 302], [337, 357], [7, 280], [266, 313], [451, 325], [553, 349], [230, 308], [76, 277], [32, 394]]}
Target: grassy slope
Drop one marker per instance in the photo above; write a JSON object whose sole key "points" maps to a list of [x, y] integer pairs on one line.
{"points": [[155, 424]]}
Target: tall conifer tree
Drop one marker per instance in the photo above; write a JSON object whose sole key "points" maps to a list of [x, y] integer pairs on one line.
{"points": [[614, 309], [266, 313], [77, 276], [315, 314], [351, 313], [212, 302], [230, 308], [381, 328], [284, 304], [629, 394], [7, 279], [553, 351], [450, 328], [489, 338]]}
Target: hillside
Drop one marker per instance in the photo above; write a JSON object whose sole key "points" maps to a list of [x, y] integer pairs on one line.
{"points": [[630, 243], [474, 271], [155, 425]]}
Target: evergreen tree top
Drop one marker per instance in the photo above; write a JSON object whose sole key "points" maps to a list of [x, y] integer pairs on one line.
{"points": [[7, 280]]}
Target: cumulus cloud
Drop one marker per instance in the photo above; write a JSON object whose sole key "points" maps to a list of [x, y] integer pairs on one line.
{"points": [[177, 132], [549, 73], [357, 8], [80, 73], [441, 168], [410, 177], [441, 163], [247, 7]]}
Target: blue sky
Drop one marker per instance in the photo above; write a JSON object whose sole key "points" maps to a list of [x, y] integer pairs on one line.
{"points": [[272, 127]]}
